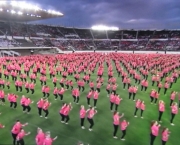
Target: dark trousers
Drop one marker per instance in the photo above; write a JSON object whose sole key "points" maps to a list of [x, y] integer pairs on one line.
{"points": [[111, 105], [172, 117], [160, 115], [116, 107], [27, 90], [46, 112], [142, 112], [136, 109], [165, 90], [91, 122], [39, 111], [171, 101], [20, 142], [67, 118], [123, 134], [61, 96], [28, 108], [62, 117], [163, 142], [95, 102], [32, 91], [152, 138], [115, 129], [76, 99], [14, 138], [88, 101], [82, 122]]}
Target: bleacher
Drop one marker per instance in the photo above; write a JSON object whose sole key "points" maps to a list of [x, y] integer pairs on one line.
{"points": [[86, 39]]}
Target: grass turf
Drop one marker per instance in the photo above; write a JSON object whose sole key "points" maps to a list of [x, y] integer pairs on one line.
{"points": [[137, 133]]}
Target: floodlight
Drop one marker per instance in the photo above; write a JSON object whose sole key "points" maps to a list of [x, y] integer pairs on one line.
{"points": [[13, 12], [2, 2], [1, 9], [19, 13]]}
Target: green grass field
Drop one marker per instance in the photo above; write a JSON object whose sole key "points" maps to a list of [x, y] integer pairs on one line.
{"points": [[137, 132]]}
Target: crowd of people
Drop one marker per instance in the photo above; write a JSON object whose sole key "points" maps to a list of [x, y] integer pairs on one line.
{"points": [[138, 67]]}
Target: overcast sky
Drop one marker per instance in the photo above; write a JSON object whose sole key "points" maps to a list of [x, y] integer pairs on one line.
{"points": [[125, 14]]}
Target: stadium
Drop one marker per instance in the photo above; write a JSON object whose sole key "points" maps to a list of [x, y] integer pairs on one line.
{"points": [[105, 69]]}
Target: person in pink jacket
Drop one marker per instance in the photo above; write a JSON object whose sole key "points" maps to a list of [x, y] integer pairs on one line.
{"points": [[154, 131], [165, 136]]}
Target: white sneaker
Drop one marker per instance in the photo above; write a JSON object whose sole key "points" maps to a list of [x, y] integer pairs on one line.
{"points": [[62, 121], [160, 121], [41, 116], [89, 105], [90, 129], [66, 123], [83, 127], [123, 139], [142, 117], [172, 124], [45, 117], [115, 137], [135, 116], [55, 99]]}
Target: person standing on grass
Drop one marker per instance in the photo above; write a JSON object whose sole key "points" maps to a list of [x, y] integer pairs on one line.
{"points": [[165, 136], [47, 89], [117, 101], [130, 90], [152, 94], [91, 85], [16, 85], [142, 84], [174, 112], [76, 95], [82, 114], [55, 93], [112, 100], [40, 105], [154, 131], [116, 122], [45, 107], [27, 105], [10, 97], [91, 112], [26, 85], [89, 95], [138, 103], [61, 111], [43, 90], [96, 96], [61, 93], [2, 97], [31, 86], [14, 100], [98, 86], [142, 107], [172, 97], [20, 137], [16, 130], [108, 88], [40, 137], [135, 89], [161, 109], [66, 112], [8, 85], [114, 88], [22, 102], [71, 84], [123, 125], [159, 87], [55, 81], [48, 140], [166, 86]]}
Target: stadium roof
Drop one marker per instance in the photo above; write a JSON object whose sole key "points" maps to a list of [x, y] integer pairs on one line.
{"points": [[23, 12]]}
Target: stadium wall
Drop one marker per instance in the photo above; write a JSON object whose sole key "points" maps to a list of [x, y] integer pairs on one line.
{"points": [[136, 52]]}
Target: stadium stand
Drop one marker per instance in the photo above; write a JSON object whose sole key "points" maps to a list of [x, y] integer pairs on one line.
{"points": [[74, 39]]}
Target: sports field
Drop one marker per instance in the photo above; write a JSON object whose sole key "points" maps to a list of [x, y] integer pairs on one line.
{"points": [[138, 132]]}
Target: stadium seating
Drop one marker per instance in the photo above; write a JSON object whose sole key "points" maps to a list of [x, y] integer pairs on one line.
{"points": [[87, 39]]}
